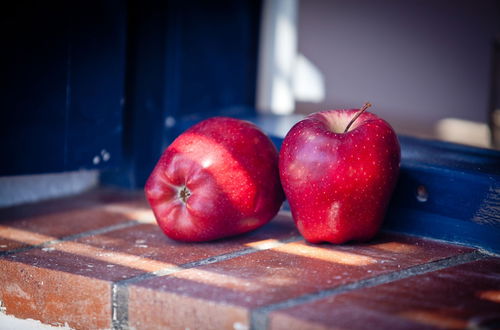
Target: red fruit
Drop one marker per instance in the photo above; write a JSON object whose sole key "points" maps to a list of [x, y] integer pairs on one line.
{"points": [[339, 183], [219, 178]]}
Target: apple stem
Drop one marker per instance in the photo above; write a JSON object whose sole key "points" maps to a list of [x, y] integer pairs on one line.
{"points": [[363, 109]]}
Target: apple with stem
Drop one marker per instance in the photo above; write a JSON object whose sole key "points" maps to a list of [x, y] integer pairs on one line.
{"points": [[217, 179], [338, 169]]}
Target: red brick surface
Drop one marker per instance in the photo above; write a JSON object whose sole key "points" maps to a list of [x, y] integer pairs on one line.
{"points": [[464, 296], [63, 283], [37, 223], [78, 274], [220, 284], [271, 276], [54, 297]]}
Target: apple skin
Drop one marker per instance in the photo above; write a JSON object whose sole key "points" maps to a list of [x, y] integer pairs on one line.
{"points": [[230, 168], [339, 184]]}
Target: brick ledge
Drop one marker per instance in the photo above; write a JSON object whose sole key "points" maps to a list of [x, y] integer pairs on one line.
{"points": [[98, 260]]}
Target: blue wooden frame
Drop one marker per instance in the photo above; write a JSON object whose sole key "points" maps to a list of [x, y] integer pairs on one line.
{"points": [[461, 199], [185, 60], [62, 68]]}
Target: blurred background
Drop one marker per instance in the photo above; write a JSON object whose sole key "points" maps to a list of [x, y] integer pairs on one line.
{"points": [[92, 92], [428, 67]]}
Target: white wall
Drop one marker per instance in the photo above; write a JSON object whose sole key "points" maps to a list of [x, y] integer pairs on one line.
{"points": [[416, 61]]}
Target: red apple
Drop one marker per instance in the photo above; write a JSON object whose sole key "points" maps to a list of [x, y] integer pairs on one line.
{"points": [[338, 169], [217, 179]]}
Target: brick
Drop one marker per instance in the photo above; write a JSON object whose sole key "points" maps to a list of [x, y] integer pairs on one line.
{"points": [[232, 288], [54, 297], [78, 266], [37, 223], [175, 311], [97, 196], [463, 296]]}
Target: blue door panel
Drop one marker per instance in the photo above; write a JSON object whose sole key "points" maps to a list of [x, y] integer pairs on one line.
{"points": [[62, 67]]}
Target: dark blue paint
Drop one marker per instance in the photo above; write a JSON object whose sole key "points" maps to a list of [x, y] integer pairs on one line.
{"points": [[420, 223], [62, 67], [456, 156], [186, 60], [214, 49], [463, 185], [96, 79], [32, 87]]}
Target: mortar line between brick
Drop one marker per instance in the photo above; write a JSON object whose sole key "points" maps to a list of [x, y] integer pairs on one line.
{"points": [[98, 231], [119, 298], [221, 257], [259, 317], [119, 307]]}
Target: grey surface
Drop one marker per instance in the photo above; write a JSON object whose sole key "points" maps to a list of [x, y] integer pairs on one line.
{"points": [[21, 189]]}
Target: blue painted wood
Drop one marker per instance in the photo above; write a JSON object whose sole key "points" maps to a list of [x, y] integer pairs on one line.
{"points": [[463, 193], [96, 82], [144, 112], [186, 60], [213, 47], [62, 67], [33, 88]]}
